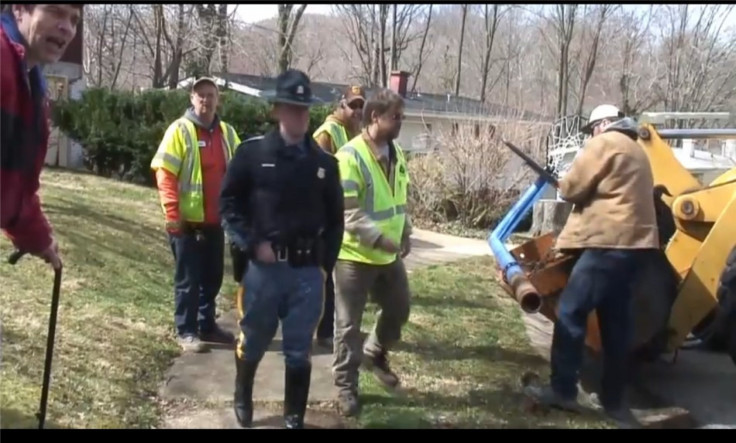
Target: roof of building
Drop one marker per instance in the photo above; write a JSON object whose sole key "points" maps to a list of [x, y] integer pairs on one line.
{"points": [[417, 104]]}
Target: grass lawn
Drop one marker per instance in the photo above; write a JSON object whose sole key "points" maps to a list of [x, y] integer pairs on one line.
{"points": [[462, 355], [461, 359], [114, 336]]}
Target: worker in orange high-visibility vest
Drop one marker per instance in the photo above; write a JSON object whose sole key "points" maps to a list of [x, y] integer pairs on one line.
{"points": [[190, 165]]}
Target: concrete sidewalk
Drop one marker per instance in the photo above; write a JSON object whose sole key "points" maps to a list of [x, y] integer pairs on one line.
{"points": [[699, 382], [200, 386]]}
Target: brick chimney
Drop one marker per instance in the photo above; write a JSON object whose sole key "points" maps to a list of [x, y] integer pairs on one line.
{"points": [[399, 81]]}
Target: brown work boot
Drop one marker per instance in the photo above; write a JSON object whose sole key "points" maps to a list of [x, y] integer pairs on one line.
{"points": [[191, 343], [348, 404], [378, 364]]}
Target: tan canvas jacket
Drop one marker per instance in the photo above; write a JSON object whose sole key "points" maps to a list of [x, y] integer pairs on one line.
{"points": [[611, 186]]}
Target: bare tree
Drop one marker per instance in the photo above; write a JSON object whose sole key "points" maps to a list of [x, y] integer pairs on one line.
{"points": [[636, 92], [590, 54], [365, 27], [393, 58], [223, 33], [165, 54], [95, 32], [514, 62], [383, 15], [107, 31], [288, 23], [422, 54], [562, 20], [470, 174], [464, 8], [490, 21], [310, 53], [697, 57]]}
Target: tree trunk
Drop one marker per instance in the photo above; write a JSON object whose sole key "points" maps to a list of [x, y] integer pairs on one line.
{"points": [[549, 216], [460, 50]]}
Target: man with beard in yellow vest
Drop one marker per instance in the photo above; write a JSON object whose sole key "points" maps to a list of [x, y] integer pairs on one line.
{"points": [[339, 127], [375, 179]]}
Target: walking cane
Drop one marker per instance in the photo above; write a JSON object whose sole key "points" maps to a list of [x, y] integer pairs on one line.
{"points": [[41, 414]]}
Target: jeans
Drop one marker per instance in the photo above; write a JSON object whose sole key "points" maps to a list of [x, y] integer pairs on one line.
{"points": [[274, 292], [198, 277], [601, 280]]}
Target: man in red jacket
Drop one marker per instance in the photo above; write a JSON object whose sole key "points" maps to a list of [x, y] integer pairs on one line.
{"points": [[31, 35]]}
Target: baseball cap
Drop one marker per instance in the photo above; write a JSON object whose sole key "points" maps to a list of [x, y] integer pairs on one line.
{"points": [[201, 80], [353, 93]]}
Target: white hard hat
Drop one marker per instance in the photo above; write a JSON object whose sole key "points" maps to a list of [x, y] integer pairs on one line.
{"points": [[602, 112]]}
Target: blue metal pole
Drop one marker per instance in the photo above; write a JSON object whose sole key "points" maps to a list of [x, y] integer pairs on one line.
{"points": [[497, 238]]}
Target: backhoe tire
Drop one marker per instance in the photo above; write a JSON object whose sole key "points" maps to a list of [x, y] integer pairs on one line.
{"points": [[728, 292], [655, 290], [732, 339], [715, 331]]}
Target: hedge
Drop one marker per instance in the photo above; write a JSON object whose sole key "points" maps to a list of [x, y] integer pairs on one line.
{"points": [[121, 130]]}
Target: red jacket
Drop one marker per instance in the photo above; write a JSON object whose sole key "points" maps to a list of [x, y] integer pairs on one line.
{"points": [[24, 133]]}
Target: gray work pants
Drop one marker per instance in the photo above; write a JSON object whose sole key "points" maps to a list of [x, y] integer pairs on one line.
{"points": [[389, 289]]}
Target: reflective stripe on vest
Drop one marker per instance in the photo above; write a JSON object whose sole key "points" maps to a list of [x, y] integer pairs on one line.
{"points": [[191, 192], [384, 204], [337, 132]]}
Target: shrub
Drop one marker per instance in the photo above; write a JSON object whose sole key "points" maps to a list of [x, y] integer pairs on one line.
{"points": [[120, 131], [472, 179]]}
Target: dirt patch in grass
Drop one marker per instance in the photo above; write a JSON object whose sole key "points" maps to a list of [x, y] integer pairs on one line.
{"points": [[114, 336], [461, 359]]}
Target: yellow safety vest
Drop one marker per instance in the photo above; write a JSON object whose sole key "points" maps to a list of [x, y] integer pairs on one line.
{"points": [[363, 177], [178, 153], [337, 132]]}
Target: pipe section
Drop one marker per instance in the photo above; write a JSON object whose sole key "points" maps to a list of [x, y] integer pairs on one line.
{"points": [[523, 291]]}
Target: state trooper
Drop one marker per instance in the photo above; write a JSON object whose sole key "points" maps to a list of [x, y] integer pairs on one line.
{"points": [[282, 204]]}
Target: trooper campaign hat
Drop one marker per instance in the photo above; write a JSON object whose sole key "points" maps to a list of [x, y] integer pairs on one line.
{"points": [[293, 87]]}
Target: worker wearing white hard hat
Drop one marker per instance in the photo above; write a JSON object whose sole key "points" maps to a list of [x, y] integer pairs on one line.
{"points": [[613, 231], [600, 118]]}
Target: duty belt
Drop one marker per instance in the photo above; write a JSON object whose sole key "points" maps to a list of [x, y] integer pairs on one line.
{"points": [[300, 252]]}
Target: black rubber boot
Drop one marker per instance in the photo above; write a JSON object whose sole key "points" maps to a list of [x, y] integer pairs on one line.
{"points": [[243, 400], [296, 393]]}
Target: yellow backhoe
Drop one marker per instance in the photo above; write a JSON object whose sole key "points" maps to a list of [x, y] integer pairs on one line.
{"points": [[688, 295]]}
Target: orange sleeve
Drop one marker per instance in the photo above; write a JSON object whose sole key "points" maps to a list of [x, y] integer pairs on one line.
{"points": [[168, 191]]}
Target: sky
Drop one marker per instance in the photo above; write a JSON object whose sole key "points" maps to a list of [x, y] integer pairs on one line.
{"points": [[256, 13]]}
